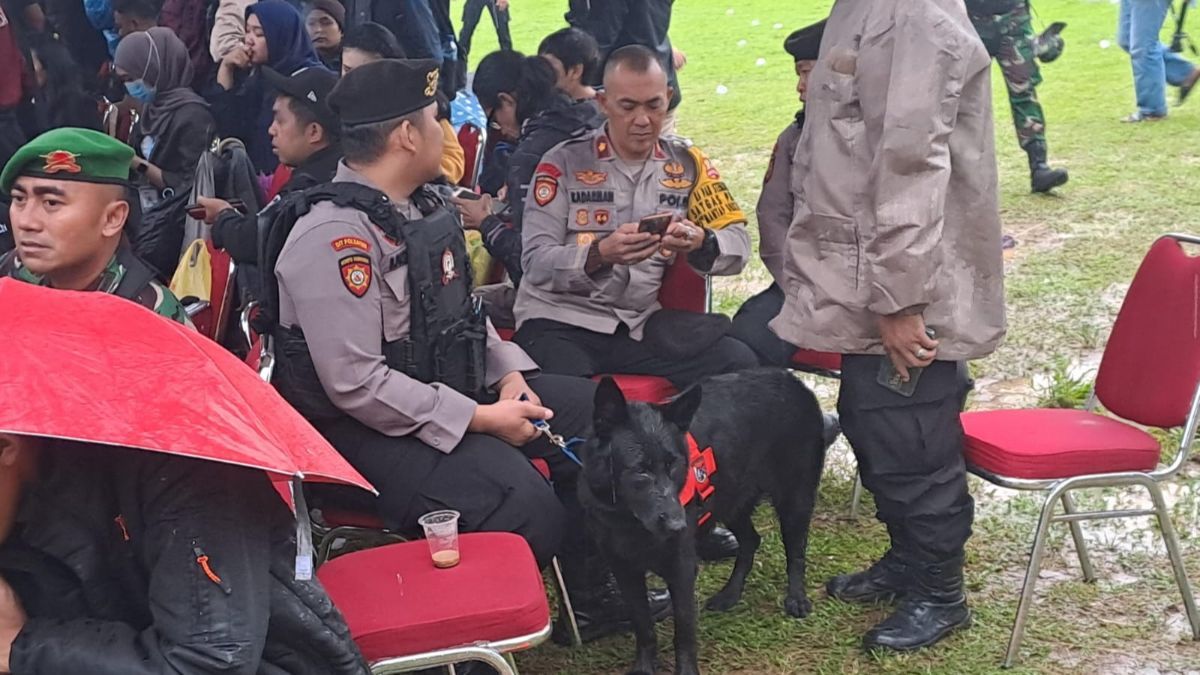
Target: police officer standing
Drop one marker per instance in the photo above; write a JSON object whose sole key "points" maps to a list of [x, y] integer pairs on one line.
{"points": [[1007, 33], [70, 208], [593, 270], [899, 268], [775, 206]]}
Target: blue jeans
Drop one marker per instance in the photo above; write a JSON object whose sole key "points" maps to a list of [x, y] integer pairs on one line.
{"points": [[1154, 64]]}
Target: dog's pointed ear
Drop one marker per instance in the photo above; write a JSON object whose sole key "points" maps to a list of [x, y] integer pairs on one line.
{"points": [[610, 406], [681, 410]]}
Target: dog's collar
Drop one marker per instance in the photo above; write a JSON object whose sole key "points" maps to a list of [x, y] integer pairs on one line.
{"points": [[702, 465]]}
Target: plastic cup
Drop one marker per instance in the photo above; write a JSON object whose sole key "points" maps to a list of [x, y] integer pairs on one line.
{"points": [[441, 531]]}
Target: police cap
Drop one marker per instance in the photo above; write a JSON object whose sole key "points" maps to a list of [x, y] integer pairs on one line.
{"points": [[805, 44], [385, 90]]}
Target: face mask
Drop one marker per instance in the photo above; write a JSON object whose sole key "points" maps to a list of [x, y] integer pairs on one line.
{"points": [[138, 90]]}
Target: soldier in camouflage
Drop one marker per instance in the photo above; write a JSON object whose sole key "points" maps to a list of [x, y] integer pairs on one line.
{"points": [[69, 190], [1007, 32]]}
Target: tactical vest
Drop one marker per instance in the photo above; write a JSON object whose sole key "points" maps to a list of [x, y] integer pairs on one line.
{"points": [[447, 339]]}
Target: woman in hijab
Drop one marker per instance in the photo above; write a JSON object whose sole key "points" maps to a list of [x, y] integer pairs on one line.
{"points": [[275, 37], [175, 126]]}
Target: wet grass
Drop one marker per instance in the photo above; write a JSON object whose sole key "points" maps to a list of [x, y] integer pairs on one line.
{"points": [[1066, 277]]}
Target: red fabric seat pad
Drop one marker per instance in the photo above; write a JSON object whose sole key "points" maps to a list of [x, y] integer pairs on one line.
{"points": [[819, 360], [398, 604], [644, 388], [1048, 444]]}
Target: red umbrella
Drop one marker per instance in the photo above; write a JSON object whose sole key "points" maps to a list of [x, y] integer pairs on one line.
{"points": [[100, 369], [97, 368]]}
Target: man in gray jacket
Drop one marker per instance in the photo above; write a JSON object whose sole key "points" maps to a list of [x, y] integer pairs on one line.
{"points": [[897, 232]]}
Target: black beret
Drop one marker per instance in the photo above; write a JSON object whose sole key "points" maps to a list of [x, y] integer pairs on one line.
{"points": [[385, 90], [805, 44]]}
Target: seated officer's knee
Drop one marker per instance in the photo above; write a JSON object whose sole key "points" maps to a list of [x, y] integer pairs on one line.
{"points": [[731, 355]]}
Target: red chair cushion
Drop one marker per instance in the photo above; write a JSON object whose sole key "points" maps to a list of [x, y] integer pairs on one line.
{"points": [[505, 334], [542, 466], [644, 388], [1046, 444], [398, 604], [682, 288], [807, 358]]}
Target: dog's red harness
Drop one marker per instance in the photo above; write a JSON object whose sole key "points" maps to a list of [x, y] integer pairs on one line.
{"points": [[702, 465]]}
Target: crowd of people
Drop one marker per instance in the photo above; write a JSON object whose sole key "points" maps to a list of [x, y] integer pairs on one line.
{"points": [[363, 264]]}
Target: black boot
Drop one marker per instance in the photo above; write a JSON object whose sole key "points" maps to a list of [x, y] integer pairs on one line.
{"points": [[718, 544], [934, 607], [1041, 177], [600, 611], [831, 428], [884, 581]]}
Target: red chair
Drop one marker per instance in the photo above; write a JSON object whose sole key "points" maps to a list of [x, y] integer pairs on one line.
{"points": [[1149, 375], [473, 141], [404, 614], [211, 318], [682, 289]]}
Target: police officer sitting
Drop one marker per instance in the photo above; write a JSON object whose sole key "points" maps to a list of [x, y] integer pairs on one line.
{"points": [[775, 205], [70, 209], [592, 272], [381, 345]]}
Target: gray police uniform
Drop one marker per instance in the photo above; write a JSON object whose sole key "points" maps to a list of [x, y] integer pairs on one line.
{"points": [[774, 211], [344, 283], [583, 324]]}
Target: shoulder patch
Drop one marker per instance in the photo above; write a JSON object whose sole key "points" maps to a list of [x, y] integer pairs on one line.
{"points": [[356, 274], [342, 243], [545, 189]]}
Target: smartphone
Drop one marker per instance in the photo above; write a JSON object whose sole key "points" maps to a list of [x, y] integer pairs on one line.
{"points": [[469, 195], [656, 224], [889, 377], [197, 212]]}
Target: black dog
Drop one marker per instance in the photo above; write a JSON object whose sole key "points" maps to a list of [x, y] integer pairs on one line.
{"points": [[764, 428]]}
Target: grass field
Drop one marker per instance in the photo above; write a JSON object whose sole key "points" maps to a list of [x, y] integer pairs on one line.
{"points": [[1066, 277]]}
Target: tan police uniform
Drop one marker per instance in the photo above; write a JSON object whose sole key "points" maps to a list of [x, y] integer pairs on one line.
{"points": [[348, 311], [582, 192]]}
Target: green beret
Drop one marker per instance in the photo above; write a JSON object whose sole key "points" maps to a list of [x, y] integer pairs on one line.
{"points": [[70, 154]]}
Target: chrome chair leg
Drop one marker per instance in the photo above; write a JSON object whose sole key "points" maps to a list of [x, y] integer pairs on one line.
{"points": [[564, 599], [1031, 575], [1085, 560], [856, 495], [512, 662], [1171, 540]]}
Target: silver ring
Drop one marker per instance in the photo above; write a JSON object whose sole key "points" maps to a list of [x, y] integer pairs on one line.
{"points": [[922, 354]]}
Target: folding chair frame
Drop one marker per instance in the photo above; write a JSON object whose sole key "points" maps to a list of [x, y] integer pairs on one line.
{"points": [[498, 655], [1060, 491]]}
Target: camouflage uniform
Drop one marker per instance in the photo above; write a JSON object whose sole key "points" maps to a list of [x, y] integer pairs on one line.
{"points": [[152, 295], [1007, 33]]}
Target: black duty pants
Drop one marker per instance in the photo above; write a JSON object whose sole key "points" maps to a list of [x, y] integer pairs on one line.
{"points": [[471, 13], [570, 350], [491, 483], [750, 326], [910, 455]]}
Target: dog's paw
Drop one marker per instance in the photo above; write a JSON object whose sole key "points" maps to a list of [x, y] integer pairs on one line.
{"points": [[797, 607], [722, 602]]}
